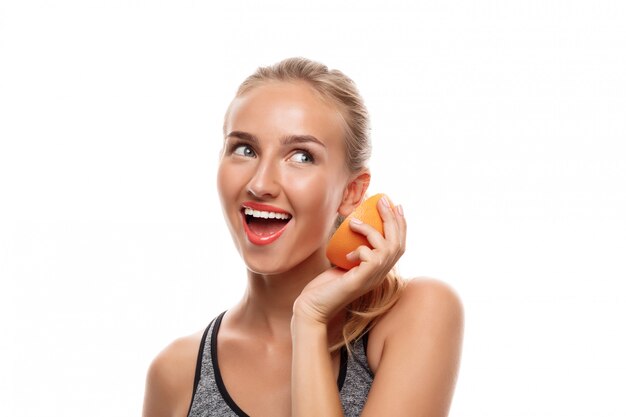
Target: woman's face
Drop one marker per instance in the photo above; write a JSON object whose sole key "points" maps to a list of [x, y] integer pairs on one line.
{"points": [[282, 174]]}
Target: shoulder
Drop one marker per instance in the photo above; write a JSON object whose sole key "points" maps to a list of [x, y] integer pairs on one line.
{"points": [[426, 298], [425, 304], [169, 383], [415, 350]]}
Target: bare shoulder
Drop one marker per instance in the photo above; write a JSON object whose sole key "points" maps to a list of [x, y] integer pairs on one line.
{"points": [[415, 351], [424, 303], [425, 297], [169, 383]]}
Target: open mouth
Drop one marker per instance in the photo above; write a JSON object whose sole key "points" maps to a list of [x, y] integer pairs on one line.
{"points": [[263, 226]]}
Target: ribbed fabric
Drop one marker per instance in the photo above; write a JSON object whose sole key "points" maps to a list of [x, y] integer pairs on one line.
{"points": [[211, 399]]}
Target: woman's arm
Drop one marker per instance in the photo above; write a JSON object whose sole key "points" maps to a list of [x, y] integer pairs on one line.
{"points": [[314, 391], [417, 371], [421, 335], [313, 384]]}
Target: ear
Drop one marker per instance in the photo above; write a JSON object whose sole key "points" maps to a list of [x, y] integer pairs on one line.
{"points": [[354, 193]]}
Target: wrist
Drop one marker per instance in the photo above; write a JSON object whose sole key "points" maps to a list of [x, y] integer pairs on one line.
{"points": [[306, 321], [307, 315], [303, 325]]}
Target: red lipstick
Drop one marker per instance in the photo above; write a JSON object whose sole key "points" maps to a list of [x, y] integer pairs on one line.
{"points": [[263, 207], [263, 231]]}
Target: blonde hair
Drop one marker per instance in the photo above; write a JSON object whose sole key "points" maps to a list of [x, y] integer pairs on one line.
{"points": [[335, 86]]}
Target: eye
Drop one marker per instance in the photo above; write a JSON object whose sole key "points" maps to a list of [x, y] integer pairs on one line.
{"points": [[243, 150], [302, 157]]}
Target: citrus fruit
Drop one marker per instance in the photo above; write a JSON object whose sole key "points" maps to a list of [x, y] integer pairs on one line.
{"points": [[344, 240]]}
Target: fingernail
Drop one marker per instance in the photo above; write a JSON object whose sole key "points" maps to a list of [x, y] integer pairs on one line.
{"points": [[356, 221], [400, 211], [386, 202]]}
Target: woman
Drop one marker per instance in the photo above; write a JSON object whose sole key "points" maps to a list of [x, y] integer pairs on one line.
{"points": [[308, 339]]}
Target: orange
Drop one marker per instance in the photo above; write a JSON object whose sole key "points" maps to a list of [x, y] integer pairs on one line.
{"points": [[344, 240]]}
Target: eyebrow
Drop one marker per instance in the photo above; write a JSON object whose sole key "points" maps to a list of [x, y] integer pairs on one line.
{"points": [[286, 140]]}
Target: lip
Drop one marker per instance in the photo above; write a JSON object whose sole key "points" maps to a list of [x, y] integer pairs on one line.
{"points": [[254, 238], [263, 207]]}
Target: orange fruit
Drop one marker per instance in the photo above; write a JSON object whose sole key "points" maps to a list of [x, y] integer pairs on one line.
{"points": [[344, 240]]}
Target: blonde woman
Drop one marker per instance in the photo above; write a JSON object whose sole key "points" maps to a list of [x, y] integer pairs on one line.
{"points": [[306, 338]]}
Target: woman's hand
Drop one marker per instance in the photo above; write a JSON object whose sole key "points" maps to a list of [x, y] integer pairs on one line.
{"points": [[330, 291]]}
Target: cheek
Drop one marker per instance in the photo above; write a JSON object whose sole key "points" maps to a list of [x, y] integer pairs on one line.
{"points": [[226, 183], [221, 177], [317, 199]]}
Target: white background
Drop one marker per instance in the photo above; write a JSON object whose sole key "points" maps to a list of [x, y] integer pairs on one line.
{"points": [[499, 125]]}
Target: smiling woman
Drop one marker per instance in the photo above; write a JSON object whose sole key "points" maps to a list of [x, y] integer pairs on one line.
{"points": [[308, 338]]}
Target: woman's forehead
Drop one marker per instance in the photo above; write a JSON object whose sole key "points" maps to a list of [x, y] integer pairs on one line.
{"points": [[282, 108]]}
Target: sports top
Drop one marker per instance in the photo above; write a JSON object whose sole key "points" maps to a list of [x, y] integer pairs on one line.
{"points": [[210, 397]]}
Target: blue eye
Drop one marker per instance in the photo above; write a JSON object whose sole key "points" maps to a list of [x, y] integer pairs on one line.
{"points": [[244, 150], [303, 157]]}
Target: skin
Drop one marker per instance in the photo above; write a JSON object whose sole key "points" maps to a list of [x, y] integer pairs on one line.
{"points": [[294, 302]]}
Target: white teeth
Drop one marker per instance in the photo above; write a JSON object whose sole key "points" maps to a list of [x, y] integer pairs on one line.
{"points": [[266, 214]]}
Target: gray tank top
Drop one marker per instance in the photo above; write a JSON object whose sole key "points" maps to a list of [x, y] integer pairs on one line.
{"points": [[211, 399]]}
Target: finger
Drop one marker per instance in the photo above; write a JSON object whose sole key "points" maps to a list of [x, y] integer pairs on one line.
{"points": [[369, 273], [390, 222], [401, 226], [362, 253], [373, 236], [362, 278], [393, 228]]}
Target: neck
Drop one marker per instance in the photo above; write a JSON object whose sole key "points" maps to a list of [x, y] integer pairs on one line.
{"points": [[267, 305]]}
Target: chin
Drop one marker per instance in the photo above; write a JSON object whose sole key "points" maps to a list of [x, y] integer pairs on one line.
{"points": [[273, 265], [265, 268]]}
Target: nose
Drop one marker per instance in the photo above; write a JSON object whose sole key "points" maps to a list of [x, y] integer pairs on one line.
{"points": [[265, 181]]}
